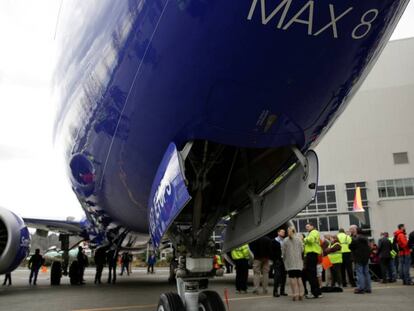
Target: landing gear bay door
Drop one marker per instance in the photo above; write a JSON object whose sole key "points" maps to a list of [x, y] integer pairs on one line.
{"points": [[276, 206], [169, 194]]}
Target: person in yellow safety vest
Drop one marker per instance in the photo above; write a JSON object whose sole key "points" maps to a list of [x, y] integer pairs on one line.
{"points": [[241, 256], [392, 267], [335, 256], [312, 250], [218, 263], [393, 251], [325, 244], [346, 267]]}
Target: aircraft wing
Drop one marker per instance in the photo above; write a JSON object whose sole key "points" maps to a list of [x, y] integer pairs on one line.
{"points": [[60, 226]]}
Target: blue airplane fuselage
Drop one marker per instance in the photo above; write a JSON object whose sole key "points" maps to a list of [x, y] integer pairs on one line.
{"points": [[134, 76]]}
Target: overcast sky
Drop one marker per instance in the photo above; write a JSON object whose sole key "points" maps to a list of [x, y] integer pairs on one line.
{"points": [[33, 180]]}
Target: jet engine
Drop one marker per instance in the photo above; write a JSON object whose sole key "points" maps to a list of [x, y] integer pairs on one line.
{"points": [[14, 241]]}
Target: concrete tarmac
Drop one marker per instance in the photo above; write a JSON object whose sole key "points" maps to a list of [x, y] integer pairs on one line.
{"points": [[140, 291]]}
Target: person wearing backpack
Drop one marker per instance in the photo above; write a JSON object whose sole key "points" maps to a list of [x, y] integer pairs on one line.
{"points": [[262, 251], [404, 253]]}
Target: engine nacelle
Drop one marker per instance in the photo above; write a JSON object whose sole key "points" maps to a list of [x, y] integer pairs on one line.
{"points": [[14, 241]]}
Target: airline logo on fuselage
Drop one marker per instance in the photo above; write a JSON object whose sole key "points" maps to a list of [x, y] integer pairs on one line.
{"points": [[24, 242], [24, 238], [276, 12], [168, 196], [161, 197]]}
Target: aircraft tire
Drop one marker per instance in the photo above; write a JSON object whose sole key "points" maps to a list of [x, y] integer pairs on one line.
{"points": [[55, 273], [170, 302], [211, 301]]}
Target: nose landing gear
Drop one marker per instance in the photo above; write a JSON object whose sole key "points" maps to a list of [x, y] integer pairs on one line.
{"points": [[192, 278], [207, 301]]}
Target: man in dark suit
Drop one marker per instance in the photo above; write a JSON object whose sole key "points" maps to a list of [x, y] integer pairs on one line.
{"points": [[279, 276], [384, 252]]}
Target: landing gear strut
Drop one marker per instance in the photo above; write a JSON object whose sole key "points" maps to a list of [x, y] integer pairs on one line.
{"points": [[192, 276], [194, 247], [192, 282], [64, 246]]}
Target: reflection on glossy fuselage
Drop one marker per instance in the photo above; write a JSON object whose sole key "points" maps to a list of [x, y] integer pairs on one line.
{"points": [[134, 76]]}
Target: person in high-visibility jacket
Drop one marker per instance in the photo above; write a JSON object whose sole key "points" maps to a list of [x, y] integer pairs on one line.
{"points": [[218, 263], [394, 255], [241, 256], [335, 256], [325, 244], [346, 267], [312, 250]]}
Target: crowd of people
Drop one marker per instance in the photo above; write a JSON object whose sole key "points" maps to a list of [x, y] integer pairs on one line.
{"points": [[109, 257], [102, 257], [314, 263]]}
